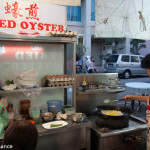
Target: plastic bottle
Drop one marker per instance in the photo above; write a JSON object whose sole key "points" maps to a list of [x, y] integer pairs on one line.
{"points": [[84, 85]]}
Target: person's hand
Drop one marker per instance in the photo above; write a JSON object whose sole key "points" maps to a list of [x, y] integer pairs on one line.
{"points": [[129, 97]]}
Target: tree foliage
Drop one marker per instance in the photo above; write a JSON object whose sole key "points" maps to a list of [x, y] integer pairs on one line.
{"points": [[80, 51], [137, 45], [116, 47], [103, 56]]}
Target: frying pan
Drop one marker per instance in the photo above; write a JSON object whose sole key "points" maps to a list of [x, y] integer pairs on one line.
{"points": [[98, 111]]}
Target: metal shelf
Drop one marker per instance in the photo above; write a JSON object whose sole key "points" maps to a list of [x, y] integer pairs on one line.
{"points": [[25, 38], [117, 90], [91, 92], [43, 88], [46, 39]]}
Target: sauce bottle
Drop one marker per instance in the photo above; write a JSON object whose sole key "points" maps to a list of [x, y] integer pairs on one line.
{"points": [[84, 85], [24, 108]]}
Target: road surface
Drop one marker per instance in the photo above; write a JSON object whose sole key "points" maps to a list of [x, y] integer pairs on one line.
{"points": [[136, 112]]}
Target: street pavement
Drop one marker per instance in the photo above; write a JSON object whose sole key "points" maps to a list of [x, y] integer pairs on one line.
{"points": [[136, 111]]}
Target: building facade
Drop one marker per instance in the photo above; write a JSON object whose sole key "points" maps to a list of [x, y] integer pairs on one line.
{"points": [[82, 19]]}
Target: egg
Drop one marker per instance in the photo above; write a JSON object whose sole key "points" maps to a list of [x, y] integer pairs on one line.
{"points": [[112, 112]]}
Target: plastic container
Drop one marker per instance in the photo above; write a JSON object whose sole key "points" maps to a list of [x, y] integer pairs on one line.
{"points": [[69, 110], [24, 107], [54, 105], [36, 115]]}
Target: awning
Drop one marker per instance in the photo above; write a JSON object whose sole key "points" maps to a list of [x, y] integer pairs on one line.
{"points": [[60, 2], [122, 18]]}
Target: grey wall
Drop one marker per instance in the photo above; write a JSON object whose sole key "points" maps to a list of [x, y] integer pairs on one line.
{"points": [[95, 52], [17, 58]]}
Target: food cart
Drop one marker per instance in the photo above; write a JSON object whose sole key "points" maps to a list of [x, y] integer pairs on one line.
{"points": [[108, 132], [49, 56]]}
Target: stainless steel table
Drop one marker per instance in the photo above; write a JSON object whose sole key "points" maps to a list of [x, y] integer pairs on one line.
{"points": [[115, 139], [138, 85], [140, 88], [75, 136]]}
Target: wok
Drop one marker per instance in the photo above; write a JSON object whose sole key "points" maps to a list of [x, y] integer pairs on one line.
{"points": [[125, 111]]}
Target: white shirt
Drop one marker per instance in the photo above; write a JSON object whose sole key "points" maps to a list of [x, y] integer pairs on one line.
{"points": [[88, 62], [91, 65]]}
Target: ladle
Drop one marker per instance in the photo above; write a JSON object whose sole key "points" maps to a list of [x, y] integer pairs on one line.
{"points": [[107, 101]]}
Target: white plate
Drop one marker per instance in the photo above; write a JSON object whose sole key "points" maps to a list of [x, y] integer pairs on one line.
{"points": [[47, 125]]}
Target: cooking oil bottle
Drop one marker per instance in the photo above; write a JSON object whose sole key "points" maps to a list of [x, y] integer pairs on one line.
{"points": [[84, 85]]}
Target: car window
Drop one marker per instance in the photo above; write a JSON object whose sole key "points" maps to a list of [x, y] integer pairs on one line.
{"points": [[134, 59], [112, 58], [141, 58], [125, 58]]}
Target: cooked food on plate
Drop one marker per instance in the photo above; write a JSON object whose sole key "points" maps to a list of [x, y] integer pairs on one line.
{"points": [[47, 115]]}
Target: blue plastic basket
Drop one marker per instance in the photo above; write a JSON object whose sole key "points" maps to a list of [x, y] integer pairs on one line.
{"points": [[54, 105]]}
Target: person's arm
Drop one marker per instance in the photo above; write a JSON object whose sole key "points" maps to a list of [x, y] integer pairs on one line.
{"points": [[135, 97]]}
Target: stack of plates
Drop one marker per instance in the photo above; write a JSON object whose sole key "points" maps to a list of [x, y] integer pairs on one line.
{"points": [[28, 79]]}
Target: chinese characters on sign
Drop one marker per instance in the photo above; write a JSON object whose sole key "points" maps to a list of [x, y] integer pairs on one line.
{"points": [[25, 17], [14, 10], [32, 11]]}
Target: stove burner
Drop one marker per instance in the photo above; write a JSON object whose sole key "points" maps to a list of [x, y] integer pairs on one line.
{"points": [[104, 129]]}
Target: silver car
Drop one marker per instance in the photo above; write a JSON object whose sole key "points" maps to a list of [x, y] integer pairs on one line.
{"points": [[125, 65]]}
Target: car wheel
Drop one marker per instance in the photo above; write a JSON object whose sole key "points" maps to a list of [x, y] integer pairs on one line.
{"points": [[126, 74]]}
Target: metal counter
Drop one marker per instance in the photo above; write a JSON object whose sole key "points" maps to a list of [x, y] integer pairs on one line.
{"points": [[116, 139], [74, 136], [135, 124], [71, 126]]}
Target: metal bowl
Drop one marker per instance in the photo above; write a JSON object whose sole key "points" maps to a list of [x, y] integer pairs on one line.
{"points": [[78, 117], [47, 116]]}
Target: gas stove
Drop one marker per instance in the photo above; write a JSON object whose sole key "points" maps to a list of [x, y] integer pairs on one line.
{"points": [[131, 137]]}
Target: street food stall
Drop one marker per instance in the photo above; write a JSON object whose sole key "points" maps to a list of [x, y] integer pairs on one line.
{"points": [[38, 80], [114, 127], [60, 59], [98, 88]]}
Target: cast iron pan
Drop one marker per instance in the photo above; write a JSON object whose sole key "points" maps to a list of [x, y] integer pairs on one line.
{"points": [[111, 123], [126, 112]]}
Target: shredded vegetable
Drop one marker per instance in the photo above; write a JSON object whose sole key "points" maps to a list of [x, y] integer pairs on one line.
{"points": [[55, 125]]}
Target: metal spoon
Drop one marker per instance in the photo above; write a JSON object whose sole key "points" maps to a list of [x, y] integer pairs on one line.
{"points": [[107, 101]]}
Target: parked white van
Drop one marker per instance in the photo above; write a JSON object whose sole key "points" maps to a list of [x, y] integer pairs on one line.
{"points": [[125, 65]]}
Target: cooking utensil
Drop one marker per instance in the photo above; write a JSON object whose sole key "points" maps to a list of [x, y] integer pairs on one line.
{"points": [[125, 111], [108, 101], [78, 117], [47, 116], [113, 122]]}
